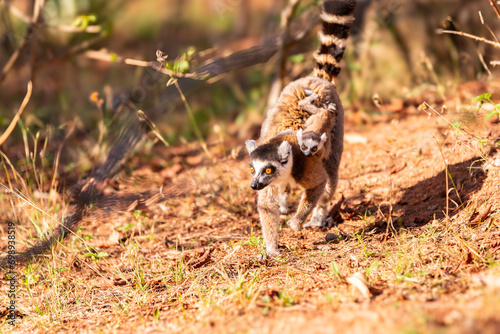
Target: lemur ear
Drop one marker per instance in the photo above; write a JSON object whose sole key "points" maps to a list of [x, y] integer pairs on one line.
{"points": [[299, 135], [323, 137], [284, 151], [251, 145]]}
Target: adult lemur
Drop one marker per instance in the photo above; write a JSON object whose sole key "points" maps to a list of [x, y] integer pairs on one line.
{"points": [[277, 160]]}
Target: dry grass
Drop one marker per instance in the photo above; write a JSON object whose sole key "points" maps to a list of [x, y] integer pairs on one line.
{"points": [[191, 264]]}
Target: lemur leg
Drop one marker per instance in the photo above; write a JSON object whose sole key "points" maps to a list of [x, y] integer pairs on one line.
{"points": [[307, 203], [282, 197], [320, 213], [269, 219], [282, 203]]}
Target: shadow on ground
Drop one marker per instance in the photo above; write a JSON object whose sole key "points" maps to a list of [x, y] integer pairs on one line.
{"points": [[426, 200]]}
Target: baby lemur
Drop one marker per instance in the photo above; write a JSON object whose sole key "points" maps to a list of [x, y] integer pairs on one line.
{"points": [[315, 136], [276, 161]]}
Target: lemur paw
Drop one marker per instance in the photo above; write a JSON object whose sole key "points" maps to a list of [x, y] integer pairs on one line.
{"points": [[332, 107], [283, 210], [295, 224], [328, 222], [270, 253], [311, 94], [314, 222]]}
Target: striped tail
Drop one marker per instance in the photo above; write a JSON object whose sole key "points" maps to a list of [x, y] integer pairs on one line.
{"points": [[337, 22]]}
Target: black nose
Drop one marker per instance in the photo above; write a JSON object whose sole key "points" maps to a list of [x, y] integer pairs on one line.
{"points": [[308, 154], [257, 185]]}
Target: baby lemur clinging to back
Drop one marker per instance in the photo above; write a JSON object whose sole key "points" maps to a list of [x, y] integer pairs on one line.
{"points": [[277, 162], [315, 136]]}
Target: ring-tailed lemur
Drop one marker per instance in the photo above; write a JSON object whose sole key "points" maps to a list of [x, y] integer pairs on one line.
{"points": [[315, 136], [277, 161]]}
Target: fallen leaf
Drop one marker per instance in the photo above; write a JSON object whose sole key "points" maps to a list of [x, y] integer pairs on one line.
{"points": [[359, 282], [482, 216]]}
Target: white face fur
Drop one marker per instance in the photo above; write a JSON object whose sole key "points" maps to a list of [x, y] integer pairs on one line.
{"points": [[310, 143], [267, 168]]}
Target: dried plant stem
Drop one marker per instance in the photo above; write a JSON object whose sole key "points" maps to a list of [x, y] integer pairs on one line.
{"points": [[495, 8], [446, 177], [16, 118], [461, 33], [196, 129], [143, 117], [58, 156]]}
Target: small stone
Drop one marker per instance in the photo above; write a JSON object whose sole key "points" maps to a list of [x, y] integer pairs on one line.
{"points": [[332, 237]]}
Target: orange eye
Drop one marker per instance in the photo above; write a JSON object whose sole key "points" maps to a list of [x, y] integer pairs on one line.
{"points": [[303, 147], [252, 170], [314, 149], [268, 171]]}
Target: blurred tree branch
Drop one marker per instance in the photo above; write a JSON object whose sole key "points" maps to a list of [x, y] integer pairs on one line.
{"points": [[286, 19], [461, 33], [495, 8], [217, 66], [34, 21], [16, 118]]}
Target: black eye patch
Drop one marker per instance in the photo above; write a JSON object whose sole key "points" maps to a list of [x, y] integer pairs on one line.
{"points": [[271, 167]]}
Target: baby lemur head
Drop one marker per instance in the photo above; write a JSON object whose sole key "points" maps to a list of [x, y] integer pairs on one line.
{"points": [[270, 162], [310, 142]]}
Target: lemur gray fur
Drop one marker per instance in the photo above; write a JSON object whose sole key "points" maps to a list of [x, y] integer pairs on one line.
{"points": [[277, 161], [315, 136]]}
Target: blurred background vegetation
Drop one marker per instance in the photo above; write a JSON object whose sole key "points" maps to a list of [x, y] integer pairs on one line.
{"points": [[394, 53]]}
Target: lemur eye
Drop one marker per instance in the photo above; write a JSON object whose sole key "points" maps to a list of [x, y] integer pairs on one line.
{"points": [[314, 149], [303, 147], [269, 171], [252, 170]]}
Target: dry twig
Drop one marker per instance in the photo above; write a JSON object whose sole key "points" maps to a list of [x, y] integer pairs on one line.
{"points": [[495, 8], [461, 33], [16, 118], [39, 5], [286, 19]]}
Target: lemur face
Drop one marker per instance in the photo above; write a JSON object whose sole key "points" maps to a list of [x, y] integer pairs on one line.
{"points": [[310, 142], [269, 163]]}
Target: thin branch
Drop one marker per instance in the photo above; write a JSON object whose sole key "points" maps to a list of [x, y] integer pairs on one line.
{"points": [[485, 66], [461, 33], [16, 118], [17, 13], [495, 7], [66, 28], [488, 27], [494, 62], [34, 22], [218, 66], [114, 58], [286, 19], [282, 48]]}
